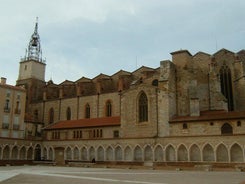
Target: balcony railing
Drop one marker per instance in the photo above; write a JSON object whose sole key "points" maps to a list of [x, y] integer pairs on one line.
{"points": [[17, 111], [5, 126], [16, 127], [7, 109]]}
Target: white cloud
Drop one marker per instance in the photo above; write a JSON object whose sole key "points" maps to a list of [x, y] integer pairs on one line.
{"points": [[88, 37]]}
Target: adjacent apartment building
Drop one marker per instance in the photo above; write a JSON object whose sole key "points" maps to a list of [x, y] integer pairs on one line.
{"points": [[12, 105]]}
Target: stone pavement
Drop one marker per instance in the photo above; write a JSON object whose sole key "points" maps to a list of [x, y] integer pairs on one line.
{"points": [[79, 175]]}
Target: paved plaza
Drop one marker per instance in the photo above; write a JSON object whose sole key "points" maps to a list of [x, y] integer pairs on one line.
{"points": [[79, 175]]}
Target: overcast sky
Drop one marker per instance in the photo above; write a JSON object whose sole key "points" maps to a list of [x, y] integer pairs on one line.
{"points": [[89, 37]]}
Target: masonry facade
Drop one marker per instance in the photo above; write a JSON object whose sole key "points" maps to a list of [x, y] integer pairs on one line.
{"points": [[190, 109], [12, 103]]}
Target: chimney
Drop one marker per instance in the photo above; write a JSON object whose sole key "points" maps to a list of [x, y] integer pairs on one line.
{"points": [[3, 80]]}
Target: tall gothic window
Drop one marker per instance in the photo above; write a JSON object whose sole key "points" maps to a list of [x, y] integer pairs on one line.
{"points": [[108, 109], [87, 111], [143, 107], [68, 113], [36, 115], [51, 115], [226, 85]]}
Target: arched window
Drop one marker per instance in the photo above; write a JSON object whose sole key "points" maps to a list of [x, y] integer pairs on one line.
{"points": [[87, 111], [51, 115], [143, 108], [226, 129], [184, 126], [226, 85], [155, 82], [108, 109], [68, 113], [6, 106]]}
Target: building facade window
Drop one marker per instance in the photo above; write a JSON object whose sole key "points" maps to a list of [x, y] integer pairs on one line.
{"points": [[226, 129], [56, 135], [8, 94], [7, 106], [16, 124], [115, 133], [77, 134], [18, 96], [155, 82], [226, 85], [51, 115], [184, 126], [68, 113], [143, 107], [87, 111], [96, 133], [238, 123], [108, 108], [5, 124], [17, 108]]}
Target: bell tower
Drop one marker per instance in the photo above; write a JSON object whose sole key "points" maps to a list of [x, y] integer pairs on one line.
{"points": [[32, 69], [32, 65]]}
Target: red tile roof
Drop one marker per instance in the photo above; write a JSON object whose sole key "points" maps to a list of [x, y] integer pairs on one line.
{"points": [[209, 116], [85, 123]]}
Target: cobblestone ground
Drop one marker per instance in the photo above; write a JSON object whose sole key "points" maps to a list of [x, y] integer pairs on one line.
{"points": [[79, 175]]}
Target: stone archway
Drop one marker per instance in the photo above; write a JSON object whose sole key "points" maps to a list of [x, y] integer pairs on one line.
{"points": [[45, 154], [50, 154], [100, 154], [236, 153], [22, 153], [84, 154], [182, 153], [195, 153], [76, 153], [208, 153], [37, 153], [118, 153], [15, 153], [91, 153], [30, 153], [109, 153], [6, 152], [222, 153], [148, 153], [158, 154], [128, 154], [59, 155], [170, 153], [138, 156]]}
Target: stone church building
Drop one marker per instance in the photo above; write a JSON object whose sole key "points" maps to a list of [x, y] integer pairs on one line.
{"points": [[189, 109]]}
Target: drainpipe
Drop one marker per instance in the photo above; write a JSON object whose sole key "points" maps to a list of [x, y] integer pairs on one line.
{"points": [[157, 112], [59, 108], [98, 99], [78, 107]]}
